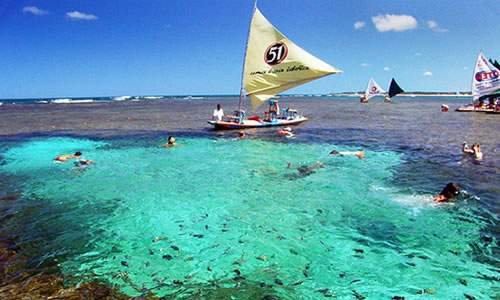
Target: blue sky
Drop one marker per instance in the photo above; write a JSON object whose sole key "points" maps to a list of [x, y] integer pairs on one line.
{"points": [[56, 48]]}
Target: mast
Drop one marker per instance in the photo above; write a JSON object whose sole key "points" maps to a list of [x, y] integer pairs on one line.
{"points": [[242, 93]]}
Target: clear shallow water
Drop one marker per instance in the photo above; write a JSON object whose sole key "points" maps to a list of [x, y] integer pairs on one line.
{"points": [[229, 204]]}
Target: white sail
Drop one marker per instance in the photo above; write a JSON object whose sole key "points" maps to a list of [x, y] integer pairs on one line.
{"points": [[486, 78], [273, 63], [373, 89]]}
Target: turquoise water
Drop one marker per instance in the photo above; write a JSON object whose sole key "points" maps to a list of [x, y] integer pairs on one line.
{"points": [[143, 217]]}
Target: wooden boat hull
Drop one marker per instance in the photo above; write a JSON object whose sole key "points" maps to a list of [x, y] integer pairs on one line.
{"points": [[224, 125]]}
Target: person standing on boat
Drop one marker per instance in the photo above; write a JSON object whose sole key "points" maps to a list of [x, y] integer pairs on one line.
{"points": [[218, 113], [274, 109]]}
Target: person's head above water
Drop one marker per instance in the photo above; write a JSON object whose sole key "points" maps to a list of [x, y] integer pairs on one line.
{"points": [[78, 153], [450, 191], [171, 140]]}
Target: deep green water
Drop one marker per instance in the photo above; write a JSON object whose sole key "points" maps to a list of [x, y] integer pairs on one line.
{"points": [[143, 216]]}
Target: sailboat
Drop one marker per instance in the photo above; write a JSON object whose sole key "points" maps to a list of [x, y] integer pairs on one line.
{"points": [[394, 89], [485, 84], [372, 90], [273, 63]]}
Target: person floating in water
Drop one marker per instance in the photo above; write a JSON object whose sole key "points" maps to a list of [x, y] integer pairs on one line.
{"points": [[65, 157], [286, 132], [449, 192], [475, 150], [241, 135], [170, 142], [218, 113], [359, 154]]}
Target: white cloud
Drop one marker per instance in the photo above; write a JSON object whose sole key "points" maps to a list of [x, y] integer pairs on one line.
{"points": [[359, 24], [427, 73], [389, 22], [34, 11], [77, 16], [434, 26], [364, 65], [386, 68]]}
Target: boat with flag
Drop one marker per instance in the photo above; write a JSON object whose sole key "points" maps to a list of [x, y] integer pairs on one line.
{"points": [[485, 86], [272, 64], [372, 90]]}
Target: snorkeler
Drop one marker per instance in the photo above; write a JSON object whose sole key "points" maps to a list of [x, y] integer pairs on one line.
{"points": [[83, 163], [308, 170], [170, 142], [359, 154], [449, 192], [66, 157]]}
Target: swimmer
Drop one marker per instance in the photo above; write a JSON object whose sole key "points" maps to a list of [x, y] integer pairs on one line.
{"points": [[65, 157], [449, 192], [241, 134], [359, 154], [170, 142], [474, 150], [478, 155], [286, 132]]}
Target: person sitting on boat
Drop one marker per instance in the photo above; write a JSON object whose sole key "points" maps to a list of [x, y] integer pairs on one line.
{"points": [[170, 142], [66, 157], [359, 154], [286, 132], [449, 192], [218, 113]]}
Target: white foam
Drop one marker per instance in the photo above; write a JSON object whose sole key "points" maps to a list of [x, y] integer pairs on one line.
{"points": [[122, 98], [71, 101]]}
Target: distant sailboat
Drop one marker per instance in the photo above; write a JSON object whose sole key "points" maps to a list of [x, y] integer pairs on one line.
{"points": [[394, 89], [485, 84], [372, 90], [273, 64]]}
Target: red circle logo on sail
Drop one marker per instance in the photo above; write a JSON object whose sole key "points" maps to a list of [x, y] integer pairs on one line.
{"points": [[480, 76], [275, 53]]}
